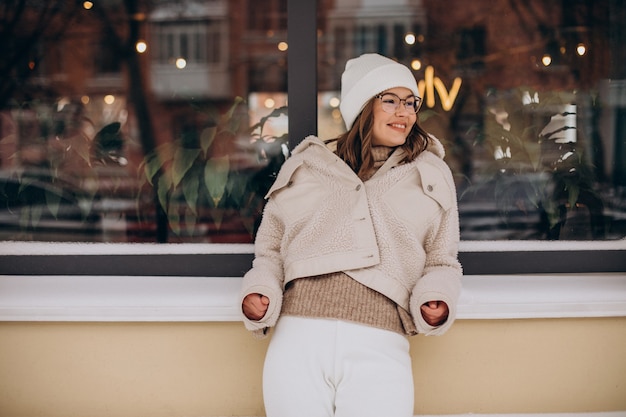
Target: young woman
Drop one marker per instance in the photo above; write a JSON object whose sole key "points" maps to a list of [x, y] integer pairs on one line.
{"points": [[357, 250]]}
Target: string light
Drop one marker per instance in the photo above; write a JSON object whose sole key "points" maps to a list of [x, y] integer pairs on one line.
{"points": [[269, 103], [141, 46]]}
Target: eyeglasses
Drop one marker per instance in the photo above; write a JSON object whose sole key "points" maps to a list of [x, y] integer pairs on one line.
{"points": [[390, 103]]}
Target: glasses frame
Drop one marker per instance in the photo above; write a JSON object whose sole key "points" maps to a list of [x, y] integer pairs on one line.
{"points": [[386, 106]]}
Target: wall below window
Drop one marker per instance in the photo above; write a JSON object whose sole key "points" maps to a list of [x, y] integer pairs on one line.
{"points": [[74, 343], [172, 369]]}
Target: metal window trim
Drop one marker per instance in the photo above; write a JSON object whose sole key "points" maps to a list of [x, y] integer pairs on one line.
{"points": [[233, 260]]}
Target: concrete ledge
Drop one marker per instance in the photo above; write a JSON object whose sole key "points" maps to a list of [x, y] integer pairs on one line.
{"points": [[166, 298]]}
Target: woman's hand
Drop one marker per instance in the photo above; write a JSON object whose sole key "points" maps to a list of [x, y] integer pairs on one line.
{"points": [[255, 306], [435, 312]]}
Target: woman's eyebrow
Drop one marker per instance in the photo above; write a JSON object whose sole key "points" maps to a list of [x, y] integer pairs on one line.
{"points": [[408, 96]]}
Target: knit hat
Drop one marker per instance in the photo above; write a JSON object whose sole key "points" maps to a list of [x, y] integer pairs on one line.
{"points": [[366, 76]]}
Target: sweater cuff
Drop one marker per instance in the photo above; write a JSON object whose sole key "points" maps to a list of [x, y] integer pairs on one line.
{"points": [[260, 327], [422, 326]]}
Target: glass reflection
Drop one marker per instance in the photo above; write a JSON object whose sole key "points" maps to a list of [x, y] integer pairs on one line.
{"points": [[531, 116], [140, 121], [161, 121]]}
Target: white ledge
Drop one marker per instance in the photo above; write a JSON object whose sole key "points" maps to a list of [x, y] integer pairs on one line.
{"points": [[17, 248], [82, 248], [156, 298]]}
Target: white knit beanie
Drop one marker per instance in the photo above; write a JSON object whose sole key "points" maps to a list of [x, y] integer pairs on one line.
{"points": [[366, 76]]}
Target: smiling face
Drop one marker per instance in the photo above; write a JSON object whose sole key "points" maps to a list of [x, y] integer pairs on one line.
{"points": [[392, 129]]}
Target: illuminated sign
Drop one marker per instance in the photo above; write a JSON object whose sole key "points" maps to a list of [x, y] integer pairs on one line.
{"points": [[430, 84]]}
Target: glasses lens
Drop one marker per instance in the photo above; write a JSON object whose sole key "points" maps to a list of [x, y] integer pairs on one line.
{"points": [[413, 104], [390, 103]]}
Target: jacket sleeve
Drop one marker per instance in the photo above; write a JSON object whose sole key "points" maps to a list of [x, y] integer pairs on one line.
{"points": [[442, 271], [266, 276]]}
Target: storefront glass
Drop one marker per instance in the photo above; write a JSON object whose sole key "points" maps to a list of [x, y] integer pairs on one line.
{"points": [[140, 121], [166, 121], [528, 98]]}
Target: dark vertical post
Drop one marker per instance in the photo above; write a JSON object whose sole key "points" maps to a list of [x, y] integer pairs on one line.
{"points": [[619, 158], [302, 69], [617, 37]]}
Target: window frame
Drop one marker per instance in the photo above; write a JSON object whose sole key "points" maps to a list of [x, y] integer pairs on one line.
{"points": [[234, 259], [114, 261]]}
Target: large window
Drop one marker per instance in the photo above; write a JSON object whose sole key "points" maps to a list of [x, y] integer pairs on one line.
{"points": [[529, 105], [155, 131], [158, 121]]}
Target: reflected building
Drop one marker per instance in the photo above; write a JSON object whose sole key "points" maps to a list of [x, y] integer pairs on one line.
{"points": [[394, 28], [189, 56]]}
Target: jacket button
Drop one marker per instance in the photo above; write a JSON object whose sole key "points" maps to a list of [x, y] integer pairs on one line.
{"points": [[358, 187], [429, 188]]}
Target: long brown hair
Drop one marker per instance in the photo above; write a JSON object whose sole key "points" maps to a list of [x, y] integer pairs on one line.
{"points": [[355, 145]]}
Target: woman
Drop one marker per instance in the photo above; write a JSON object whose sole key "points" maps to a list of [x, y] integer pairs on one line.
{"points": [[357, 250]]}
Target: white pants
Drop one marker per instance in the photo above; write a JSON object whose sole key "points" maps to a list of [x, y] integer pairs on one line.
{"points": [[325, 368]]}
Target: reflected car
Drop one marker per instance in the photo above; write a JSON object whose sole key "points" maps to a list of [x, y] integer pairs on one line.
{"points": [[35, 209]]}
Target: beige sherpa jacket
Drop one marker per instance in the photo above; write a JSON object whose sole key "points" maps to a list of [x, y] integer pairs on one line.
{"points": [[396, 233]]}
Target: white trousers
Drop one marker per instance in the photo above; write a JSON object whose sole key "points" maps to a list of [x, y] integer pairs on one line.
{"points": [[326, 368]]}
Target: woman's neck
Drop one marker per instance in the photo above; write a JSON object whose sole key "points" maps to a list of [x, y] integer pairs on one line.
{"points": [[380, 154]]}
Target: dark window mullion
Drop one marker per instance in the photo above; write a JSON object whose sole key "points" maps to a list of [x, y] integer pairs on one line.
{"points": [[302, 69]]}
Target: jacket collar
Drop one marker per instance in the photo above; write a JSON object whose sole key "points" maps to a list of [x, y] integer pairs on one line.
{"points": [[310, 140], [435, 146]]}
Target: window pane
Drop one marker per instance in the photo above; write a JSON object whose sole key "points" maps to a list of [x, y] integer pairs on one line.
{"points": [[529, 105], [139, 121]]}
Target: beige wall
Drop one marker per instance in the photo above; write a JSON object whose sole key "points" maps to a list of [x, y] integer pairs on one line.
{"points": [[214, 369]]}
